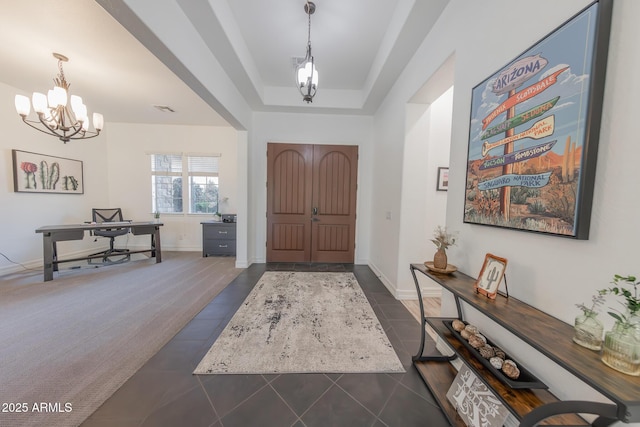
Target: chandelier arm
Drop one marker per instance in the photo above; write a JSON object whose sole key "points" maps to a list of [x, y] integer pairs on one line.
{"points": [[64, 129], [91, 135], [62, 136], [49, 131]]}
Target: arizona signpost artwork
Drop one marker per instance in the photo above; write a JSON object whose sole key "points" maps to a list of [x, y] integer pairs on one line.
{"points": [[527, 134]]}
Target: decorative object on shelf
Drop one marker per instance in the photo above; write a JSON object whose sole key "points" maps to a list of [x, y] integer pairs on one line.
{"points": [[442, 239], [491, 275], [443, 179], [450, 268], [54, 115], [474, 402], [587, 328], [621, 349], [306, 73], [156, 215], [525, 105], [505, 369], [40, 173]]}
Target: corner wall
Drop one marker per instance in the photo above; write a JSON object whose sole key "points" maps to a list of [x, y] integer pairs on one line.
{"points": [[550, 273], [129, 146]]}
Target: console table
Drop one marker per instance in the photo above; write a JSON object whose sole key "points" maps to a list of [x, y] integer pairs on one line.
{"points": [[549, 336], [51, 234]]}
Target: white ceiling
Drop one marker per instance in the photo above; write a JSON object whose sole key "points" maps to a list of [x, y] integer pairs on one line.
{"points": [[360, 47]]}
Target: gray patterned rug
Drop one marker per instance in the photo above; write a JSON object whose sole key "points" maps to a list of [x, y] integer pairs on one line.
{"points": [[302, 322]]}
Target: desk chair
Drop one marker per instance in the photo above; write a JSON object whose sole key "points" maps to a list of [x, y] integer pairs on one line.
{"points": [[100, 216]]}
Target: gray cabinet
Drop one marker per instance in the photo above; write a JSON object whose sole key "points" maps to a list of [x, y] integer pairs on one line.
{"points": [[218, 238]]}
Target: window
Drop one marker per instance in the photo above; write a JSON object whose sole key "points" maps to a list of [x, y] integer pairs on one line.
{"points": [[182, 183]]}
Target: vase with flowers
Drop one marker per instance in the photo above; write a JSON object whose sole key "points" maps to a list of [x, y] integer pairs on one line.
{"points": [[621, 349], [587, 329], [442, 239]]}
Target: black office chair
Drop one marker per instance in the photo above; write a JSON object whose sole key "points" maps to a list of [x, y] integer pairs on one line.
{"points": [[100, 216]]}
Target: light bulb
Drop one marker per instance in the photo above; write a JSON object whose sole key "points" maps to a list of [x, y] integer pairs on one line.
{"points": [[23, 106], [76, 102], [39, 102], [98, 121]]}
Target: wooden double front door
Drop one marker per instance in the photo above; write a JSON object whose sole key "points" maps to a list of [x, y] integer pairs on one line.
{"points": [[311, 202]]}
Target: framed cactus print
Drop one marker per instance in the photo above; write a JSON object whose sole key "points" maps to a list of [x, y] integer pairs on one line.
{"points": [[491, 275], [534, 132], [41, 173]]}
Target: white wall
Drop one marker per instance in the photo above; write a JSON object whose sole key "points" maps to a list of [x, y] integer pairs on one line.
{"points": [[550, 273], [128, 146], [308, 129], [22, 213], [426, 148]]}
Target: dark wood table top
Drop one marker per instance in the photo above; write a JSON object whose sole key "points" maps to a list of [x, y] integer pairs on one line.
{"points": [[96, 226], [547, 334]]}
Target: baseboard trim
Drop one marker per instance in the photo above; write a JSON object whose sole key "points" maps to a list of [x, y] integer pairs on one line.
{"points": [[242, 264], [405, 294], [386, 282]]}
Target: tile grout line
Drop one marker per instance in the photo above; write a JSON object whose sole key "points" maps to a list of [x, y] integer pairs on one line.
{"points": [[219, 419]]}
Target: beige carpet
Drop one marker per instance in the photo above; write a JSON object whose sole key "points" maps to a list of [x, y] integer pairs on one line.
{"points": [[70, 343], [302, 322]]}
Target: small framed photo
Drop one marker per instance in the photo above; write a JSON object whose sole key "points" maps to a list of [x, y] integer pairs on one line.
{"points": [[443, 179], [491, 275]]}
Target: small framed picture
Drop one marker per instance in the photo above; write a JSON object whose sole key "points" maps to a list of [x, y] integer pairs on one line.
{"points": [[443, 179], [491, 275]]}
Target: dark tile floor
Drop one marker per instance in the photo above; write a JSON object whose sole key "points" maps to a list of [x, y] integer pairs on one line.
{"points": [[164, 392]]}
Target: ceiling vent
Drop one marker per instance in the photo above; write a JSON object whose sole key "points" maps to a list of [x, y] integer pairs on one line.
{"points": [[164, 108]]}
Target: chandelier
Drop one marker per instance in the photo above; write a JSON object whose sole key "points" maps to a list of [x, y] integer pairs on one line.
{"points": [[55, 118], [306, 73]]}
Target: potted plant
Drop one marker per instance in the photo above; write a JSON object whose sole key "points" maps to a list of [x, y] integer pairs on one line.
{"points": [[587, 330], [621, 350], [442, 239]]}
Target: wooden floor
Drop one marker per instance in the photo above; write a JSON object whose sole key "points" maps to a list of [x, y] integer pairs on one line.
{"points": [[431, 308]]}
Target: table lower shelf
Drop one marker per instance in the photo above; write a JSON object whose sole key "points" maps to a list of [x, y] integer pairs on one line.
{"points": [[439, 375]]}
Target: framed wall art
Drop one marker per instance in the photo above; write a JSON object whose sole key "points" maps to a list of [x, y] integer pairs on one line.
{"points": [[443, 179], [534, 130], [491, 275], [476, 404], [41, 173]]}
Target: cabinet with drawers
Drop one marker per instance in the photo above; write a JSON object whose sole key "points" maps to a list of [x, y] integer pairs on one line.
{"points": [[218, 238]]}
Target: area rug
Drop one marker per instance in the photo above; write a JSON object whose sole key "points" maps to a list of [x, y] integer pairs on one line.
{"points": [[302, 322]]}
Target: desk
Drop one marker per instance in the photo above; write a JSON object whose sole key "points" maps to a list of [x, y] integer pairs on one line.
{"points": [[51, 234]]}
